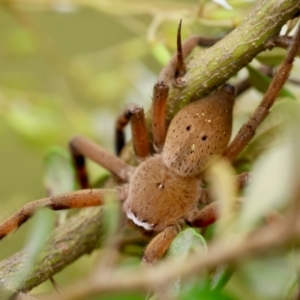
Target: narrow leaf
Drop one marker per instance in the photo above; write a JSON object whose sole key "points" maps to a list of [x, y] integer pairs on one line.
{"points": [[42, 225], [59, 175], [262, 82]]}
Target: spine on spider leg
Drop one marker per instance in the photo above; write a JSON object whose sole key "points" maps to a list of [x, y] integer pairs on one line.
{"points": [[176, 68]]}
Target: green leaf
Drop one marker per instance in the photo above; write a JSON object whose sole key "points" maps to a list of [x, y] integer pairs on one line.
{"points": [[221, 277], [220, 176], [272, 58], [122, 296], [199, 292], [41, 226], [262, 82], [33, 122], [111, 219], [270, 187], [17, 43], [59, 175], [185, 242], [270, 277], [275, 174]]}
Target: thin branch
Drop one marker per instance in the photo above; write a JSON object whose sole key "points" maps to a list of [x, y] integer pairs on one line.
{"points": [[248, 130], [220, 252], [212, 67], [80, 235]]}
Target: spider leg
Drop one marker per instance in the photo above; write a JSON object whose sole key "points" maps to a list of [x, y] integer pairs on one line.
{"points": [[85, 147], [204, 217], [160, 244], [173, 70], [80, 167], [77, 199], [159, 124], [247, 131], [174, 73], [135, 115]]}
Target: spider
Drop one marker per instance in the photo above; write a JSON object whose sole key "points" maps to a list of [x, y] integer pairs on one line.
{"points": [[164, 190]]}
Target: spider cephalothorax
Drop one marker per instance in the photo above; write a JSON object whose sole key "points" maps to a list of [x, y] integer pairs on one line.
{"points": [[165, 189], [158, 197]]}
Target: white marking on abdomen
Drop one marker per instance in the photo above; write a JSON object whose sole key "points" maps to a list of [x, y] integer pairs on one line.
{"points": [[136, 221]]}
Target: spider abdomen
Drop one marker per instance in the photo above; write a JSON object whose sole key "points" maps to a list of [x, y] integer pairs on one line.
{"points": [[198, 132]]}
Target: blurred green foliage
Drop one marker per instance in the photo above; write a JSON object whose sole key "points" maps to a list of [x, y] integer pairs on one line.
{"points": [[70, 68]]}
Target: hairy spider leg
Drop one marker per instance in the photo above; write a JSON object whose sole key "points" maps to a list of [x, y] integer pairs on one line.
{"points": [[248, 130], [77, 199], [204, 217], [173, 72], [160, 244], [80, 167], [159, 123], [85, 147], [135, 115]]}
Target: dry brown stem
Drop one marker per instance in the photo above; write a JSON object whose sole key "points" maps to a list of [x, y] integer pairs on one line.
{"points": [[219, 252]]}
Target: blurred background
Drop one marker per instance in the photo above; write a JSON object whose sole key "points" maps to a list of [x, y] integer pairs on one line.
{"points": [[69, 67]]}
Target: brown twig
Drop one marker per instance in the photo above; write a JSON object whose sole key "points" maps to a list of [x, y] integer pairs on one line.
{"points": [[248, 130], [219, 252], [203, 76], [82, 235]]}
